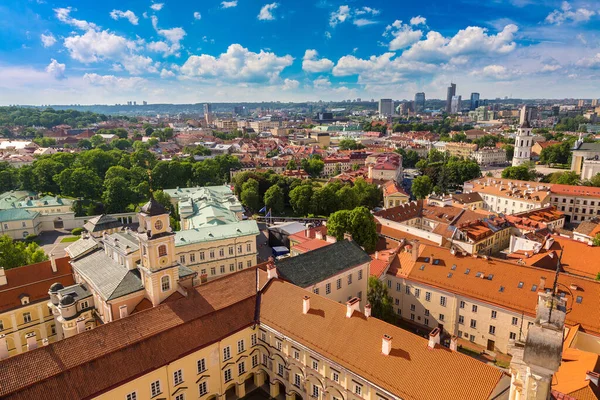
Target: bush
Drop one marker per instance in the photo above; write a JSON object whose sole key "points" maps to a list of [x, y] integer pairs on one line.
{"points": [[31, 237], [77, 231]]}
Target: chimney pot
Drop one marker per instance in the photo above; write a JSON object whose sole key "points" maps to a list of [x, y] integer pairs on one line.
{"points": [[305, 304], [367, 310], [434, 338], [31, 341], [454, 343], [386, 345], [352, 305], [377, 255], [53, 263], [542, 283]]}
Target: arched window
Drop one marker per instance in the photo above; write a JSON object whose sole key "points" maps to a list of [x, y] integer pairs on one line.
{"points": [[162, 250], [165, 283]]}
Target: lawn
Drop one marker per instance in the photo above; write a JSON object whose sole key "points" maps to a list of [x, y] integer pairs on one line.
{"points": [[70, 239]]}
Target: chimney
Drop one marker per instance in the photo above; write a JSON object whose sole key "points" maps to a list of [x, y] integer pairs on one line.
{"points": [[80, 325], [31, 341], [367, 310], [53, 262], [592, 376], [347, 236], [3, 347], [305, 304], [386, 345], [3, 280], [319, 235], [434, 338], [542, 283], [307, 233], [352, 305], [453, 343], [415, 250], [45, 342], [123, 311], [330, 239], [271, 271], [377, 255]]}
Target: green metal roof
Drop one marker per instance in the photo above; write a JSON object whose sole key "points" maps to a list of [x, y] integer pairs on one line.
{"points": [[216, 232], [17, 214]]}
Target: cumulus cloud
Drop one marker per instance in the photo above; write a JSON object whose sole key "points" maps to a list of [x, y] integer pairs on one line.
{"points": [[111, 81], [384, 68], [360, 16], [468, 41], [363, 22], [129, 15], [568, 14], [48, 40], [550, 68], [322, 83], [290, 84], [494, 71], [403, 35], [418, 20], [590, 62], [310, 63], [229, 4], [238, 64], [56, 69], [266, 12], [64, 15], [165, 73], [157, 6], [197, 15], [172, 43], [339, 16]]}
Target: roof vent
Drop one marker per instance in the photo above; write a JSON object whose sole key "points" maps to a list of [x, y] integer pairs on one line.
{"points": [[352, 305], [386, 345]]}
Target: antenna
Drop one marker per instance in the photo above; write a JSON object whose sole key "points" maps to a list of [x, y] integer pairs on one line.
{"points": [[554, 286]]}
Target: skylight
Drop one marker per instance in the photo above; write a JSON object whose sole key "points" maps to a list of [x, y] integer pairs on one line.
{"points": [[579, 299], [436, 261], [501, 289], [490, 277], [426, 259], [453, 267], [422, 267], [449, 274], [467, 271], [520, 286], [534, 288]]}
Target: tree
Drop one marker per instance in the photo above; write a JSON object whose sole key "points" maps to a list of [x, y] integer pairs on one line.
{"points": [[313, 166], [117, 195], [347, 198], [525, 172], [568, 178], [250, 199], [274, 199], [291, 165], [350, 144], [15, 254], [359, 222], [380, 301], [510, 151], [596, 240], [422, 187], [300, 198], [79, 182]]}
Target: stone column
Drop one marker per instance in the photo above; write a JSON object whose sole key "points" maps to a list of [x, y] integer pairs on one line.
{"points": [[16, 334], [274, 389], [241, 390]]}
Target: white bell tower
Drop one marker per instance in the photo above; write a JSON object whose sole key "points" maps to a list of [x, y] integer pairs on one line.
{"points": [[523, 141]]}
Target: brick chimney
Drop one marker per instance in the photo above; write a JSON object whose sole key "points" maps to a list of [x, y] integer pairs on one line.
{"points": [[352, 305], [319, 235], [592, 376], [386, 345], [454, 343], [31, 341], [305, 304], [3, 280], [53, 263], [123, 311], [434, 338], [3, 347], [307, 233], [415, 250], [367, 310], [377, 255]]}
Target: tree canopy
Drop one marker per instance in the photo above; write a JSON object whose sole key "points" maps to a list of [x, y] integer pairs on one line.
{"points": [[358, 222], [15, 254]]}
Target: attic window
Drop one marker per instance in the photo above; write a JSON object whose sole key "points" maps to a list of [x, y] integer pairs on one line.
{"points": [[426, 259], [579, 299], [478, 275], [534, 288], [520, 285], [453, 267], [422, 267], [467, 271], [501, 289], [490, 277], [436, 262]]}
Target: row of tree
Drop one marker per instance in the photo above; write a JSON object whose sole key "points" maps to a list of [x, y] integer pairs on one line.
{"points": [[48, 118], [442, 173]]}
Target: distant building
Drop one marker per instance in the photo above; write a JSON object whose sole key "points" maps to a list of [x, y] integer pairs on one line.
{"points": [[419, 102], [208, 113], [456, 104], [449, 95], [489, 156], [474, 101], [386, 107]]}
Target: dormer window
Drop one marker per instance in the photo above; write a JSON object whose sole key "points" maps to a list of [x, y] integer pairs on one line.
{"points": [[162, 250], [24, 299]]}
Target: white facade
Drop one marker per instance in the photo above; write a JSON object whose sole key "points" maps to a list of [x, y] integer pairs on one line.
{"points": [[489, 156], [523, 141], [386, 107]]}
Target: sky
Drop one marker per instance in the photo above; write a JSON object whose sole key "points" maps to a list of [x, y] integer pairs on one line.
{"points": [[176, 51]]}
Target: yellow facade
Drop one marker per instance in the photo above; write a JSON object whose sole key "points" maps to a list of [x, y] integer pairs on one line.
{"points": [[31, 318]]}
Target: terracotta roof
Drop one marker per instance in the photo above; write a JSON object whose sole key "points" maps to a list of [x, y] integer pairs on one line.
{"points": [[570, 377], [399, 235], [391, 187], [575, 190], [410, 369], [310, 245], [467, 198], [510, 188], [588, 228], [35, 281]]}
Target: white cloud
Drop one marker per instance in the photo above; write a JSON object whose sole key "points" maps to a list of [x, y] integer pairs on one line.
{"points": [[165, 73], [403, 35], [238, 64], [590, 62], [322, 83], [113, 81], [197, 15], [129, 15], [266, 12], [364, 22], [48, 40], [64, 15], [550, 68], [418, 20], [339, 16], [173, 37], [157, 6], [328, 35], [566, 14], [310, 63], [468, 41], [56, 69], [497, 72], [367, 10], [290, 84], [229, 4]]}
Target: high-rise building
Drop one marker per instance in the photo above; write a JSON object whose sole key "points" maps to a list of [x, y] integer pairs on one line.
{"points": [[594, 102], [419, 102], [386, 107], [581, 103], [449, 95], [523, 140], [455, 104], [474, 101], [145, 102], [208, 112]]}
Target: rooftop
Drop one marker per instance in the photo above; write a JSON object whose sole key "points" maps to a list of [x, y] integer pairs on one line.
{"points": [[101, 223], [522, 190], [218, 232], [17, 214]]}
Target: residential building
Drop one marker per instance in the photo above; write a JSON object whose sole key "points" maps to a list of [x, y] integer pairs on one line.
{"points": [[18, 223], [451, 92], [460, 149], [338, 271], [523, 142], [385, 167], [578, 203], [335, 166], [587, 230], [227, 124], [245, 331], [543, 218], [386, 107], [581, 153], [394, 195], [419, 102], [471, 201], [509, 196], [25, 320], [489, 156], [474, 101], [46, 213]]}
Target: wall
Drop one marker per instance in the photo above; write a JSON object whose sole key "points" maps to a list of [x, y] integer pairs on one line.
{"points": [[358, 287], [434, 237]]}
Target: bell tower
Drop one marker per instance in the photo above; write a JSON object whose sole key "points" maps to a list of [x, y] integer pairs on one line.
{"points": [[158, 264], [523, 140]]}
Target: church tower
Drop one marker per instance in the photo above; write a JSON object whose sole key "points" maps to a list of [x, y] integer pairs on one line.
{"points": [[523, 140], [158, 265]]}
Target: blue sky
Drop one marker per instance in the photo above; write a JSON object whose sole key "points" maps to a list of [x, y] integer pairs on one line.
{"points": [[173, 51]]}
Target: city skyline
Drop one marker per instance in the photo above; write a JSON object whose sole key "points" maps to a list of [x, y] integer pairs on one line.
{"points": [[173, 52]]}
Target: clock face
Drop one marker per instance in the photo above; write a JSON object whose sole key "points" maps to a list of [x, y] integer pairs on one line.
{"points": [[158, 225]]}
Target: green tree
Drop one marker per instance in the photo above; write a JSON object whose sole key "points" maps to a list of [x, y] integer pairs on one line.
{"points": [[15, 254], [350, 144], [422, 187], [380, 301], [274, 199], [525, 172], [250, 199], [347, 198], [117, 195], [359, 222], [97, 140], [568, 178], [79, 182], [300, 198], [291, 165], [313, 166]]}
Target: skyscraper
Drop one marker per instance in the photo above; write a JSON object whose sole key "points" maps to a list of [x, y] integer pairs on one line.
{"points": [[419, 102], [449, 95], [455, 104], [386, 107], [208, 113], [474, 101]]}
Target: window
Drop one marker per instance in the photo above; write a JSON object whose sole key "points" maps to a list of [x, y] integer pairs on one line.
{"points": [[474, 308], [316, 290], [360, 274], [492, 330], [240, 265], [473, 323], [84, 305], [241, 368], [230, 250], [315, 365], [398, 286], [201, 364], [520, 285], [222, 269], [412, 317], [240, 346], [26, 317], [328, 288], [515, 320], [192, 258], [427, 296], [52, 328], [212, 254], [182, 258], [203, 388], [131, 396], [427, 313], [201, 256], [263, 336], [213, 271], [315, 391], [279, 345], [579, 299], [165, 283], [339, 283], [358, 389], [280, 369], [461, 319], [226, 353], [254, 360], [249, 263], [162, 250], [253, 339], [407, 289], [221, 252], [240, 248], [442, 317], [397, 302], [177, 377], [443, 301], [297, 380], [248, 247], [350, 279], [494, 314], [412, 307], [512, 336], [231, 267], [426, 321], [472, 338], [335, 376], [155, 389], [265, 359], [296, 354], [417, 293], [227, 375]]}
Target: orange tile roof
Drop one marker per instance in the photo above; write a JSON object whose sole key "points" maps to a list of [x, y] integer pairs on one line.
{"points": [[399, 235], [573, 190], [391, 187], [303, 236], [410, 371], [570, 377], [537, 191], [310, 245]]}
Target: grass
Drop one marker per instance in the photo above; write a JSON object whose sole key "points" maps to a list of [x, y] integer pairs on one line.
{"points": [[469, 352], [502, 364], [70, 239]]}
